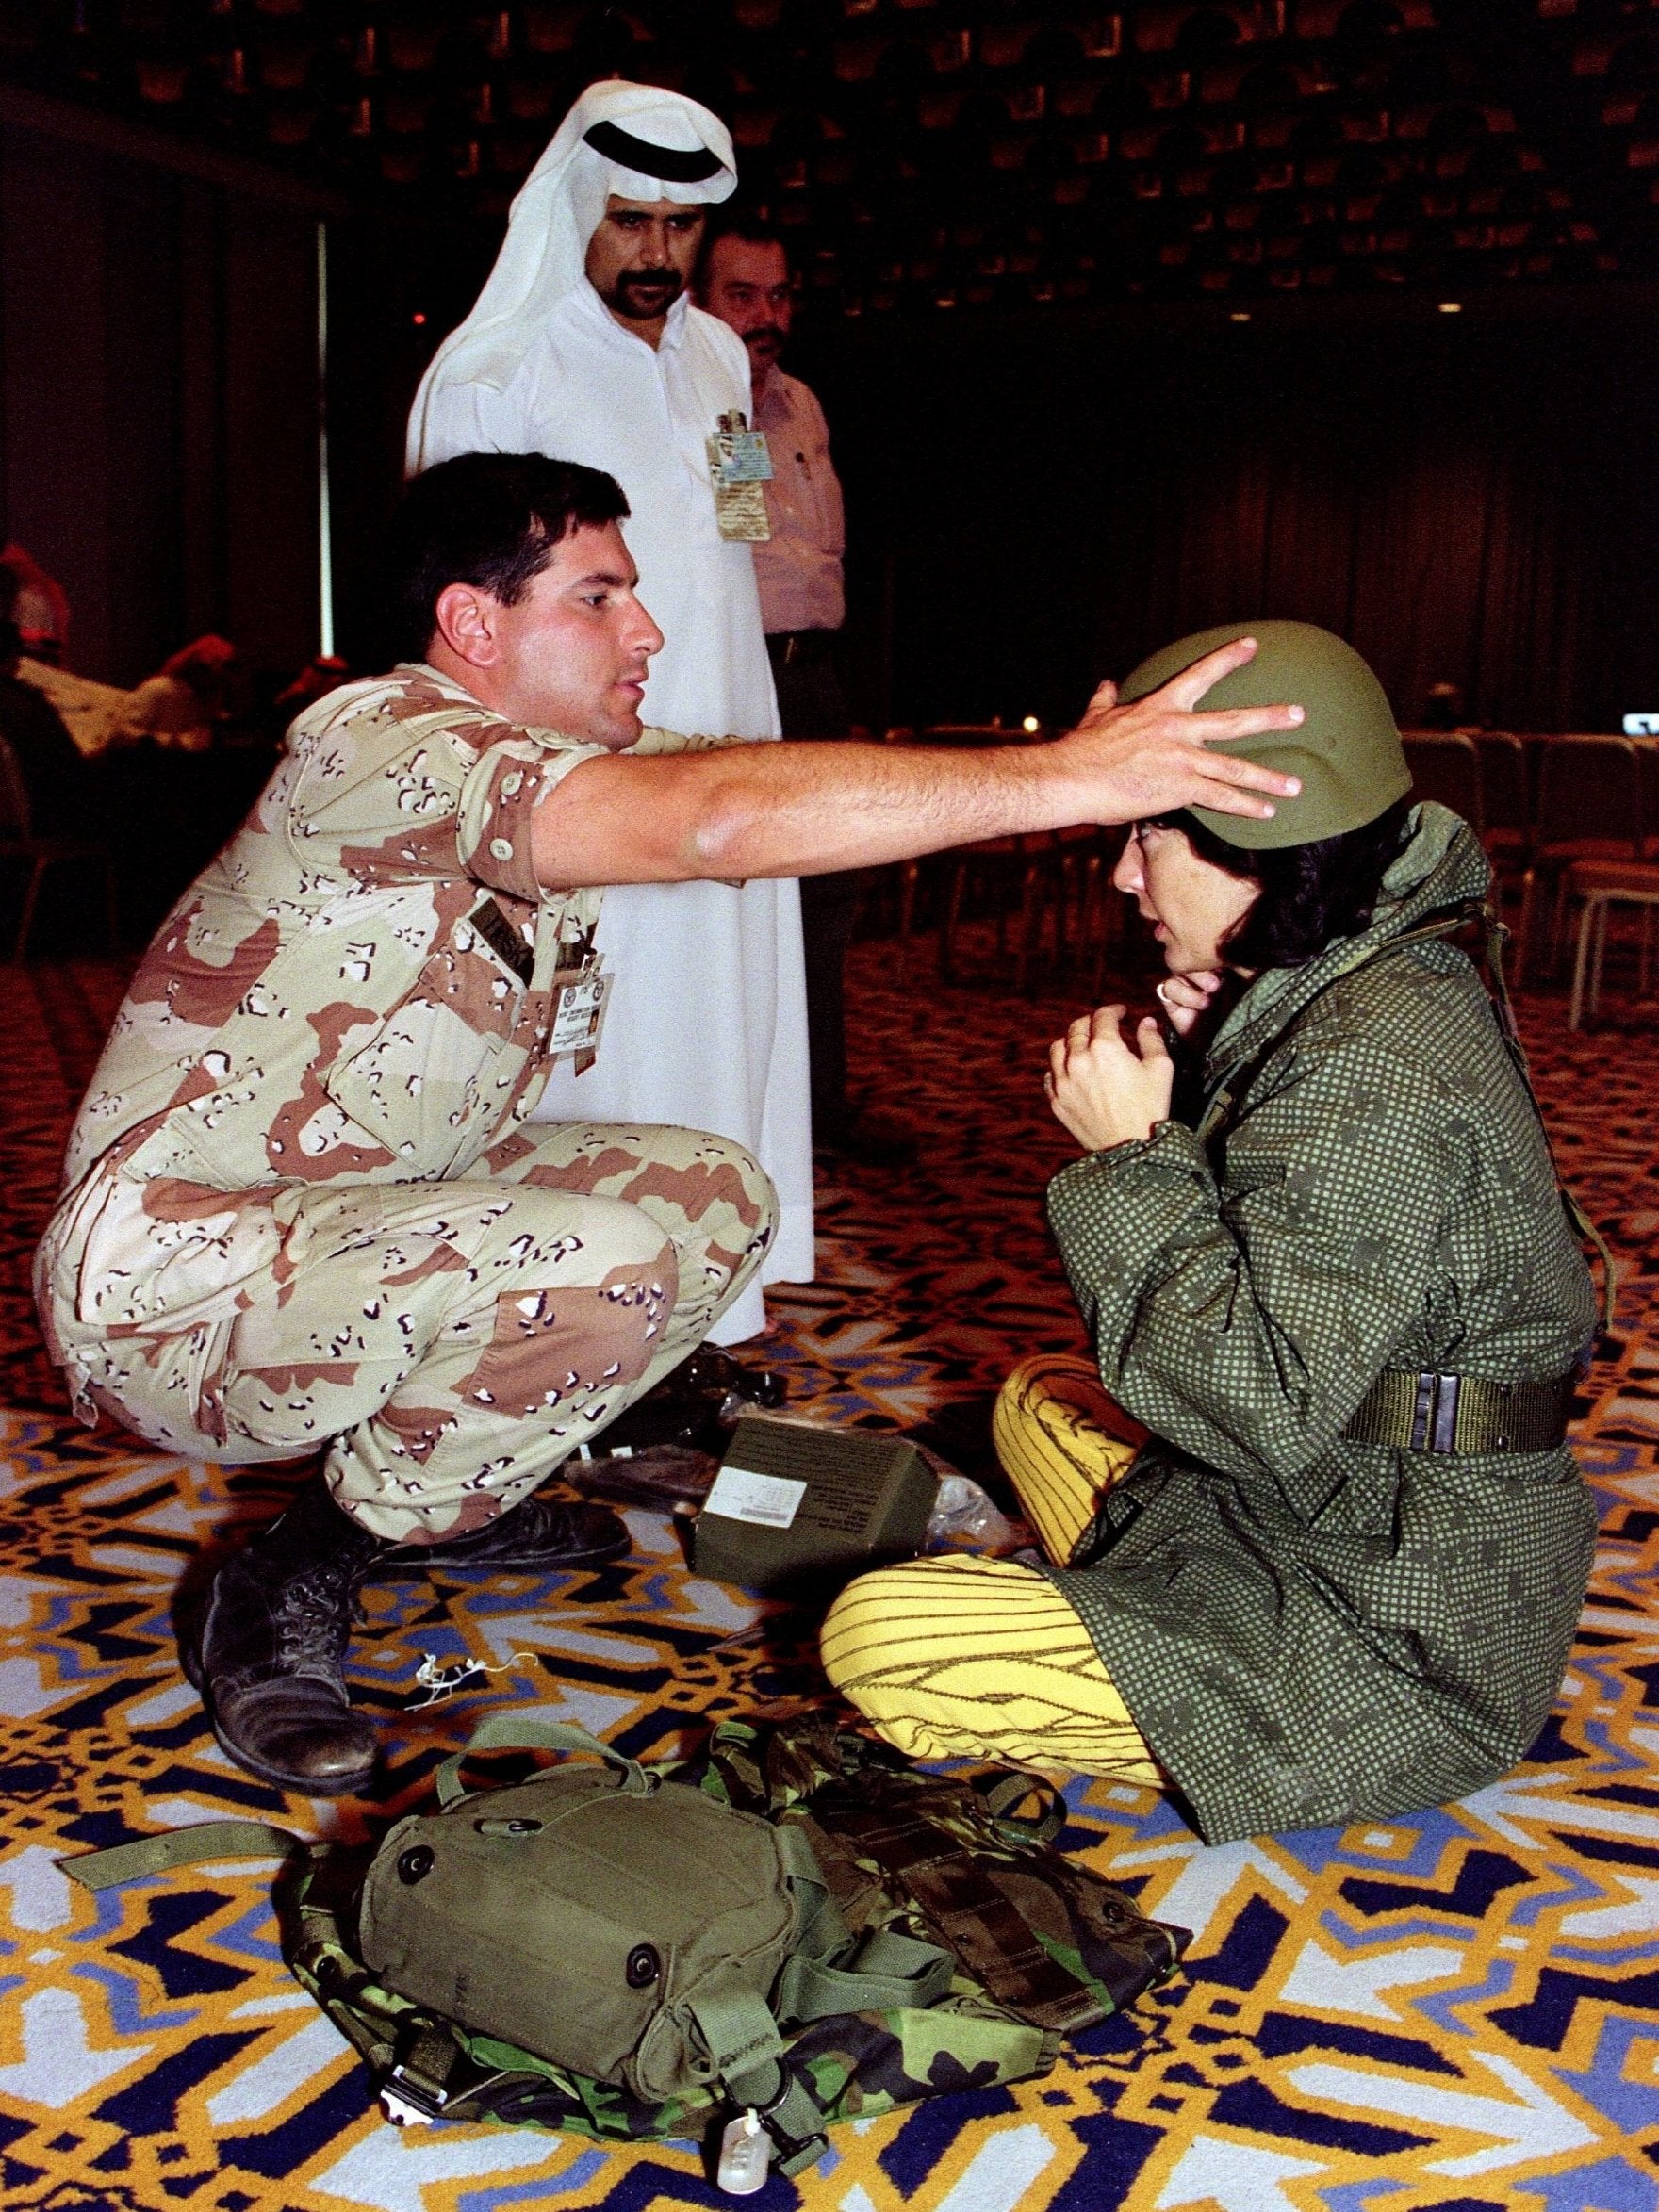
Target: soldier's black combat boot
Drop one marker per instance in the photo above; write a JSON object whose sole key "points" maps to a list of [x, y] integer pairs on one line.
{"points": [[535, 1537], [272, 1646]]}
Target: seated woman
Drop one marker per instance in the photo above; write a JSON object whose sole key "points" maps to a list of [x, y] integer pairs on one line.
{"points": [[1335, 1282]]}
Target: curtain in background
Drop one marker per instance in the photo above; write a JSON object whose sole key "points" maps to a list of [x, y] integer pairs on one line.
{"points": [[159, 426], [1470, 504], [1438, 519], [1033, 502]]}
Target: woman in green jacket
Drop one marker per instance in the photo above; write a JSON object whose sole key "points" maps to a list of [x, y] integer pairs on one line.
{"points": [[1323, 1259]]}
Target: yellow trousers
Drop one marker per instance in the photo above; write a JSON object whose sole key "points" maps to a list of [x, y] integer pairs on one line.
{"points": [[966, 1658]]}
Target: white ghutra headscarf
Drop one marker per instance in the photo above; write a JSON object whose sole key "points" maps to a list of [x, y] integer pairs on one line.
{"points": [[637, 141]]}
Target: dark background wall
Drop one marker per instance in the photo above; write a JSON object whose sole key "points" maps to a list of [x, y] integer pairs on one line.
{"points": [[158, 408], [1468, 498], [1036, 500]]}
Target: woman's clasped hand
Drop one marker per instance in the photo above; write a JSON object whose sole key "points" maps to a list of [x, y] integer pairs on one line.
{"points": [[1107, 1089]]}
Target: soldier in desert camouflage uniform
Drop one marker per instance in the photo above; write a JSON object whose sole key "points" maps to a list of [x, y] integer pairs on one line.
{"points": [[301, 1207], [300, 1141]]}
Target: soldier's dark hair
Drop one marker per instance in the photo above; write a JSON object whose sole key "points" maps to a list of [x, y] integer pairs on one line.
{"points": [[491, 519], [1310, 893]]}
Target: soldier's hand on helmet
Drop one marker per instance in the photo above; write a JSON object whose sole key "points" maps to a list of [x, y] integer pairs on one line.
{"points": [[1183, 998], [1105, 1088], [1159, 752]]}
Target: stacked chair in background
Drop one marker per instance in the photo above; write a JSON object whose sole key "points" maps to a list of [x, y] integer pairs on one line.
{"points": [[1506, 803], [1051, 881], [1595, 804], [1570, 820], [37, 853], [1448, 766]]}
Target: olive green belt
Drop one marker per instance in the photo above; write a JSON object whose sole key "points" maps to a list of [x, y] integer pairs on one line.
{"points": [[1429, 1411]]}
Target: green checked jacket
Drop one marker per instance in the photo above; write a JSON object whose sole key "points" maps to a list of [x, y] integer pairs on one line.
{"points": [[1308, 1630]]}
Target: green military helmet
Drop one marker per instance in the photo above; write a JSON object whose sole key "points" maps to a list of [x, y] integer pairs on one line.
{"points": [[1347, 750]]}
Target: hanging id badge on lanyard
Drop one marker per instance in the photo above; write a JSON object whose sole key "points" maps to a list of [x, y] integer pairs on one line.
{"points": [[581, 993], [740, 466]]}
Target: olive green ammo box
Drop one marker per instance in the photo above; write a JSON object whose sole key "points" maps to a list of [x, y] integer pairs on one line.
{"points": [[795, 1507]]}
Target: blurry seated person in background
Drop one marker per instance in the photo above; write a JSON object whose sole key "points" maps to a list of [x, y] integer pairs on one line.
{"points": [[322, 674], [41, 608], [305, 1210], [183, 704], [64, 789], [1325, 1265], [180, 707], [1442, 709]]}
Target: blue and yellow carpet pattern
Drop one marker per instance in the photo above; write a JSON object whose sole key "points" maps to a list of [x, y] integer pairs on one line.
{"points": [[1458, 2012]]}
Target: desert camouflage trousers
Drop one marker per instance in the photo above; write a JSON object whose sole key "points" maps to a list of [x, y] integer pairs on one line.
{"points": [[445, 1344]]}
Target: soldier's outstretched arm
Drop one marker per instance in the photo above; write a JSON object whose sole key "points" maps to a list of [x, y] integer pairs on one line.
{"points": [[803, 808]]}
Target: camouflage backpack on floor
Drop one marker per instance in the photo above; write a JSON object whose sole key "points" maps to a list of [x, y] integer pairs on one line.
{"points": [[796, 1924]]}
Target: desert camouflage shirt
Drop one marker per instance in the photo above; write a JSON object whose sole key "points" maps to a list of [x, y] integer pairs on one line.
{"points": [[360, 984]]}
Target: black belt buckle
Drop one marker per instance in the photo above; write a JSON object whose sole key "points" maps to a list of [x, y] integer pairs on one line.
{"points": [[1443, 1434], [1433, 1418]]}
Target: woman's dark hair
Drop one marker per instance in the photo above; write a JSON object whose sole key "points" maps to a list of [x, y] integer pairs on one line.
{"points": [[1310, 893], [491, 519]]}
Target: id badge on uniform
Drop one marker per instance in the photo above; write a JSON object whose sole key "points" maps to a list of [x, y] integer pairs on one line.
{"points": [[740, 464], [580, 999]]}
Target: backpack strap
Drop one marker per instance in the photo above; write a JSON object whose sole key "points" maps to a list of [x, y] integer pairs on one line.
{"points": [[1003, 1789], [512, 1731], [942, 1872], [788, 2111], [885, 1837], [434, 2073], [191, 1846], [829, 1970], [886, 1973], [745, 2048], [820, 1930]]}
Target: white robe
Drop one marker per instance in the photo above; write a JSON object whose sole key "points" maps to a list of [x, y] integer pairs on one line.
{"points": [[707, 1023]]}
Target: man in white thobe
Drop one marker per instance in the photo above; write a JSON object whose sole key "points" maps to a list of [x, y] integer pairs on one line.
{"points": [[584, 345]]}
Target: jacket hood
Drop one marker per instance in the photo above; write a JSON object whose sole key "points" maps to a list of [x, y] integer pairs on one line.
{"points": [[1440, 867]]}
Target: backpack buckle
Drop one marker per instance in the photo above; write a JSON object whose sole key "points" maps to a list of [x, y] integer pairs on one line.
{"points": [[416, 2091], [794, 2123], [401, 2111]]}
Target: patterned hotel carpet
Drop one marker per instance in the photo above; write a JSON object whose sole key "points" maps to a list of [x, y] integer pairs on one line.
{"points": [[1459, 2010]]}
